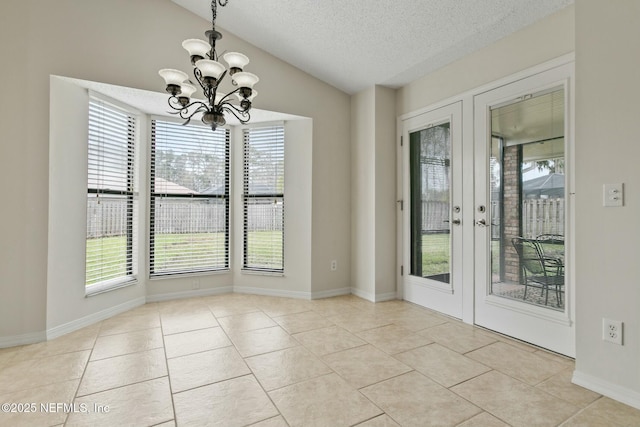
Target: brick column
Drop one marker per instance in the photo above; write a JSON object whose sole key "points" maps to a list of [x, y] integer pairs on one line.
{"points": [[512, 202]]}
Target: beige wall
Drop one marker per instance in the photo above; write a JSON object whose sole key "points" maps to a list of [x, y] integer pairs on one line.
{"points": [[548, 38], [607, 151], [373, 186], [124, 43]]}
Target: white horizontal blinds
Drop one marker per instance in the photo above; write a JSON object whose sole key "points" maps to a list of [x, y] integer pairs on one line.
{"points": [[189, 224], [264, 199], [111, 225]]}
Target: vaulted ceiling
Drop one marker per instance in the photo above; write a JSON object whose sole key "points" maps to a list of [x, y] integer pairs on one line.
{"points": [[355, 44]]}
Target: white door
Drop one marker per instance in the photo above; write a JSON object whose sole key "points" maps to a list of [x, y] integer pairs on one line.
{"points": [[523, 208], [432, 209]]}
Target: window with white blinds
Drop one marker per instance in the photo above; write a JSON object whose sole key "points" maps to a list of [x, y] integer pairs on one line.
{"points": [[189, 221], [263, 199], [111, 198]]}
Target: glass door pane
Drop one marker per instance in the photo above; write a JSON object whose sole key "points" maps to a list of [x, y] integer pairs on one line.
{"points": [[527, 185], [430, 192]]}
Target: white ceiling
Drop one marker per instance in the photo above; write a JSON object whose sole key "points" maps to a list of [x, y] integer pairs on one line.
{"points": [[355, 44]]}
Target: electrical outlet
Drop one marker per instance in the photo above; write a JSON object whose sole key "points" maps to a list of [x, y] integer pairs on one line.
{"points": [[612, 331], [334, 265]]}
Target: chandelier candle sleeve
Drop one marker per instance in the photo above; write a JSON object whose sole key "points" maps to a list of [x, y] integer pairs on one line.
{"points": [[209, 74]]}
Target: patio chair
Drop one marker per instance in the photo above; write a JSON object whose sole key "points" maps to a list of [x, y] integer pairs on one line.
{"points": [[538, 271], [552, 249]]}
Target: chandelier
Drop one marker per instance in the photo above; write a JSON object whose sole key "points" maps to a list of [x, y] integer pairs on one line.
{"points": [[209, 73]]}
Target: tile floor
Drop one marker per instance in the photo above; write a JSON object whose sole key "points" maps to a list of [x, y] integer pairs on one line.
{"points": [[239, 360]]}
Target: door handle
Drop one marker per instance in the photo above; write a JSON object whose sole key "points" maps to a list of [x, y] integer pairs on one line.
{"points": [[456, 222], [482, 223]]}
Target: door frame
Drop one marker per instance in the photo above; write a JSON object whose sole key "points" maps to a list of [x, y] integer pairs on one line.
{"points": [[446, 298], [468, 163]]}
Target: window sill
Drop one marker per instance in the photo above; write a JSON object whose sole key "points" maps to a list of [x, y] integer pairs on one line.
{"points": [[262, 272], [161, 276], [108, 287]]}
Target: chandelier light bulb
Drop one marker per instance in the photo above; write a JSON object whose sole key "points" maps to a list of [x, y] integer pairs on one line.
{"points": [[198, 49], [210, 68], [244, 79], [237, 61], [173, 79]]}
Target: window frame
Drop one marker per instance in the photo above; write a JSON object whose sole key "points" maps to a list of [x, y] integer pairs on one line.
{"points": [[247, 196], [226, 197], [131, 211]]}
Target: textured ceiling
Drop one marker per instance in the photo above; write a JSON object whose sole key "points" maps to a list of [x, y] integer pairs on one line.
{"points": [[355, 44]]}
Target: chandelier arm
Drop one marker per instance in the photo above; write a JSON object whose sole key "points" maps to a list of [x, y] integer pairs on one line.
{"points": [[242, 115]]}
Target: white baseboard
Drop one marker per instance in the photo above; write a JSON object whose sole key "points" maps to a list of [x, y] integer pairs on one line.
{"points": [[80, 323], [331, 293], [22, 339], [189, 294], [614, 391], [388, 296], [271, 292]]}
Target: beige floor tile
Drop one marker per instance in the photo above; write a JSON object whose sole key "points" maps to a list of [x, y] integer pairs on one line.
{"points": [[323, 401], [204, 368], [484, 420], [126, 343], [129, 323], [62, 392], [514, 402], [360, 321], [82, 339], [441, 364], [364, 365], [183, 306], [150, 307], [105, 374], [142, 404], [329, 307], [415, 319], [231, 403], [381, 421], [560, 386], [183, 322], [171, 423], [302, 322], [284, 306], [461, 339], [259, 341], [9, 355], [584, 419], [195, 341], [522, 365], [246, 322], [272, 422], [328, 340], [393, 339], [414, 400], [233, 308], [285, 367], [36, 373], [564, 360], [615, 412]]}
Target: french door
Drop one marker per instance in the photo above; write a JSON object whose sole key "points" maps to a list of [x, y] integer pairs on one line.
{"points": [[522, 236], [514, 215], [432, 205]]}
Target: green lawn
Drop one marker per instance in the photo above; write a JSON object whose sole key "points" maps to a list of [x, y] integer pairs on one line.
{"points": [[170, 248], [435, 254]]}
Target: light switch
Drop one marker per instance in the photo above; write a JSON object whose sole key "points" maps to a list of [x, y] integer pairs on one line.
{"points": [[613, 195]]}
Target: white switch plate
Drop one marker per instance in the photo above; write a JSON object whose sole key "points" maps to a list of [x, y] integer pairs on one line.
{"points": [[613, 195]]}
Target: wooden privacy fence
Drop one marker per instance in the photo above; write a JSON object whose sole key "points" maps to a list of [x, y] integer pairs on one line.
{"points": [[542, 216], [109, 217]]}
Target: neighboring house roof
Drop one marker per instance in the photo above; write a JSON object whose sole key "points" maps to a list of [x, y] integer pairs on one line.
{"points": [[551, 185], [164, 186]]}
